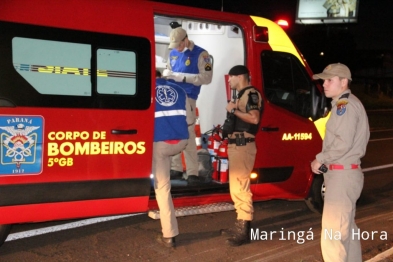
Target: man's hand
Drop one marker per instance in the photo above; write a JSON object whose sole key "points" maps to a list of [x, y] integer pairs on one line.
{"points": [[176, 76], [167, 72], [315, 165], [231, 105]]}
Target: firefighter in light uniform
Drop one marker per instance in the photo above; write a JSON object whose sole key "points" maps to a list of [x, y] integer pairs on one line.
{"points": [[190, 66], [347, 135], [246, 112]]}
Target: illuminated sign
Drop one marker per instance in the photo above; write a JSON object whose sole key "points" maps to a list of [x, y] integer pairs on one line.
{"points": [[327, 11]]}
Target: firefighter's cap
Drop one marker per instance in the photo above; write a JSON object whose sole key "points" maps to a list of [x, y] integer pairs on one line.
{"points": [[333, 70], [176, 36], [238, 70]]}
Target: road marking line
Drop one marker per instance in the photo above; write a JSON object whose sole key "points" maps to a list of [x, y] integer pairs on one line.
{"points": [[376, 168], [382, 256], [380, 139], [80, 223], [379, 110], [381, 130]]}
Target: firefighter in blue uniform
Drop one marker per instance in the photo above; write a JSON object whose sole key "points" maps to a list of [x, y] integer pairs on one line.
{"points": [[190, 66]]}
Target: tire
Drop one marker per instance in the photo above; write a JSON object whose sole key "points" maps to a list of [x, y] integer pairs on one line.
{"points": [[4, 231], [316, 196]]}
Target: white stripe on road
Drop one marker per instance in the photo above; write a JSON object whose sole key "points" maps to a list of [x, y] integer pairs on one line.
{"points": [[376, 168], [381, 257], [80, 223], [381, 130], [380, 139]]}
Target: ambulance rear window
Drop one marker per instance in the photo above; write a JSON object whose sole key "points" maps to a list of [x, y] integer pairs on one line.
{"points": [[116, 72], [53, 67]]}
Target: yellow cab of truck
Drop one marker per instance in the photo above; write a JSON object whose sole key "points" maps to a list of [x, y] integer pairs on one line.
{"points": [[77, 81]]}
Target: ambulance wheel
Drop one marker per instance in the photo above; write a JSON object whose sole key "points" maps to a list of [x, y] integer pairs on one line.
{"points": [[4, 231], [316, 196]]}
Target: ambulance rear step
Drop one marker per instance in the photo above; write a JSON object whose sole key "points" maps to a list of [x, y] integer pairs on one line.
{"points": [[196, 210]]}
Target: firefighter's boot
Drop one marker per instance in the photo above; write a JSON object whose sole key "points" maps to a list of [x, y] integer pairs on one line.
{"points": [[227, 232], [241, 233], [166, 241]]}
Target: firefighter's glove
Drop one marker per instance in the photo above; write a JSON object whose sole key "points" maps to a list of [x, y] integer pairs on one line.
{"points": [[176, 76], [167, 72]]}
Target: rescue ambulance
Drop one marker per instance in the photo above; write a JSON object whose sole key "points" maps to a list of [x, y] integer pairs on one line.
{"points": [[77, 90]]}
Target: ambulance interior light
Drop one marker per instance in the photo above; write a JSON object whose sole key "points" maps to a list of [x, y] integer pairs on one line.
{"points": [[261, 34]]}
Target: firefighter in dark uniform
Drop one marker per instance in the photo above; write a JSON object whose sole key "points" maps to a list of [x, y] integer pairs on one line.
{"points": [[242, 126], [345, 142]]}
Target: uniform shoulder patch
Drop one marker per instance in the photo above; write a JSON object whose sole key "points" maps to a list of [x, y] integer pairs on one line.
{"points": [[341, 107], [254, 97], [253, 101]]}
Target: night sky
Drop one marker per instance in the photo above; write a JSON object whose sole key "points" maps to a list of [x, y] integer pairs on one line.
{"points": [[361, 44]]}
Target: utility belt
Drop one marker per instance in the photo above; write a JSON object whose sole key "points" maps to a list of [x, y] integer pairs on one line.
{"points": [[240, 140], [343, 167]]}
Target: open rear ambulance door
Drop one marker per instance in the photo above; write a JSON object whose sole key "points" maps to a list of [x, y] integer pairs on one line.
{"points": [[286, 128]]}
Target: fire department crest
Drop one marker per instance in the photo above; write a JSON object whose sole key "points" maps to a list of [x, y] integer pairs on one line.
{"points": [[21, 145]]}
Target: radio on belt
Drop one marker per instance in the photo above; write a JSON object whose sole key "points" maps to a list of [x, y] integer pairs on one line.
{"points": [[323, 168]]}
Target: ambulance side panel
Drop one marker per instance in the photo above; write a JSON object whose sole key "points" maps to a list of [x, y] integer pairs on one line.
{"points": [[287, 139], [77, 114]]}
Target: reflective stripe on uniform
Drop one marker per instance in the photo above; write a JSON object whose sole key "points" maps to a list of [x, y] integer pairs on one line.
{"points": [[170, 113]]}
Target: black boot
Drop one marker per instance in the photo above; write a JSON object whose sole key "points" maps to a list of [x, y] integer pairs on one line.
{"points": [[166, 241], [241, 233], [228, 232], [176, 174], [193, 180]]}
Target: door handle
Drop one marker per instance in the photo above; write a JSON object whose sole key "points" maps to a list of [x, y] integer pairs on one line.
{"points": [[124, 132], [269, 129]]}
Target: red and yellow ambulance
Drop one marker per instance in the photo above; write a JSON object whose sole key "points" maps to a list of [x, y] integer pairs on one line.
{"points": [[77, 83]]}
